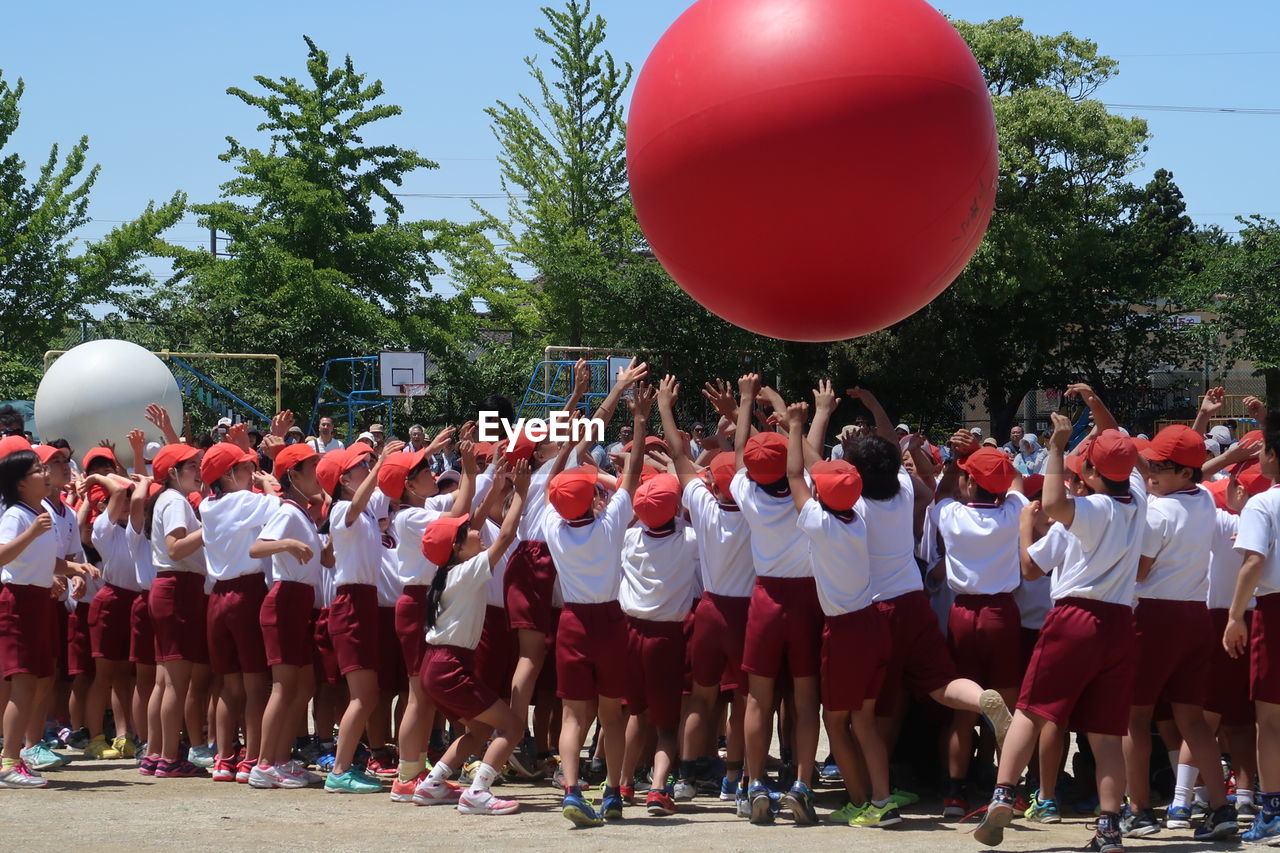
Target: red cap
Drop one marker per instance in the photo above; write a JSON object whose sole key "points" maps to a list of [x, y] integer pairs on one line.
{"points": [[523, 447], [1033, 485], [1113, 455], [723, 467], [1075, 461], [394, 472], [765, 457], [194, 498], [484, 451], [46, 452], [1141, 443], [96, 454], [1251, 477], [168, 457], [657, 500], [571, 492], [12, 444], [990, 468], [335, 463], [438, 538], [651, 442], [290, 457], [1218, 488], [1252, 435], [221, 458], [1177, 443], [838, 483]]}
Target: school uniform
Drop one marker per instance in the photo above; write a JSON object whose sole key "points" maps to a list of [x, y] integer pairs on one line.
{"points": [[142, 635], [1259, 532], [1034, 600], [111, 610], [286, 612], [497, 651], [530, 579], [392, 672], [415, 573], [232, 523], [659, 569], [325, 659], [75, 653], [353, 615], [727, 577], [1228, 688], [448, 667], [855, 635], [784, 620], [179, 609], [28, 629]]}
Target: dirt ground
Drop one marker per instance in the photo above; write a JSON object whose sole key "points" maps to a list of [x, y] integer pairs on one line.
{"points": [[109, 806]]}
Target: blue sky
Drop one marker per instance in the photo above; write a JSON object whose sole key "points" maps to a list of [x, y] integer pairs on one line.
{"points": [[146, 81]]}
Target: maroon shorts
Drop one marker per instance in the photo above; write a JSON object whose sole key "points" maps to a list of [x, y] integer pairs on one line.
{"points": [[235, 625], [79, 643], [179, 614], [784, 625], [1175, 652], [1264, 650], [353, 627], [288, 637], [410, 631], [449, 680], [919, 659], [984, 633], [142, 637], [496, 654], [855, 655], [656, 651], [28, 630], [528, 587], [719, 635], [392, 675], [591, 649], [690, 619], [61, 616], [1228, 693], [324, 659], [546, 684], [110, 617], [1081, 673]]}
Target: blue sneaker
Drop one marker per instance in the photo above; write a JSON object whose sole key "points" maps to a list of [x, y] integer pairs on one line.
{"points": [[325, 761], [1264, 829], [579, 812], [762, 810], [829, 774], [1177, 817], [728, 789], [611, 804], [799, 800]]}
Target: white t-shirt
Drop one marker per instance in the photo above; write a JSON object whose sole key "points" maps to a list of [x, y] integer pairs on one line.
{"points": [[841, 566], [535, 505], [35, 565], [1258, 532], [495, 595], [891, 541], [232, 524], [588, 557], [460, 621], [291, 521], [389, 584], [66, 527], [982, 544], [321, 446], [1224, 561], [112, 543], [172, 512], [1177, 536], [409, 524], [1034, 601], [724, 543], [144, 571], [328, 586], [357, 549], [1110, 532], [779, 548], [658, 573]]}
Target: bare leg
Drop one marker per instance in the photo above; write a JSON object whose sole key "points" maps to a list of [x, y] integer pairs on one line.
{"points": [[363, 685]]}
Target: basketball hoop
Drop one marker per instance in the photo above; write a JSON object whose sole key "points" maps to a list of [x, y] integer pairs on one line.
{"points": [[412, 390]]}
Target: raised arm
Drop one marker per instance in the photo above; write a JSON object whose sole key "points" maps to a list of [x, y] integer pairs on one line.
{"points": [[507, 532], [627, 376], [466, 492], [668, 393], [825, 402], [962, 443], [797, 414], [138, 504], [360, 499], [138, 444], [884, 426], [1102, 417], [641, 404], [748, 387], [1215, 399], [581, 384], [1058, 505], [1026, 538], [159, 416], [1241, 452]]}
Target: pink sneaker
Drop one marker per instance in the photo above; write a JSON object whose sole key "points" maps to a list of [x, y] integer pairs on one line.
{"points": [[224, 769], [179, 770], [244, 768], [402, 792], [446, 793], [484, 802]]}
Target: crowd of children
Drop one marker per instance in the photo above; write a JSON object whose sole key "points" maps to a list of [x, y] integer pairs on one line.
{"points": [[209, 619]]}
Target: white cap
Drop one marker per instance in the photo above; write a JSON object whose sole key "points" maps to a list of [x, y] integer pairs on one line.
{"points": [[976, 430], [149, 452], [1221, 434], [448, 476], [903, 427], [1212, 446], [368, 436], [224, 422]]}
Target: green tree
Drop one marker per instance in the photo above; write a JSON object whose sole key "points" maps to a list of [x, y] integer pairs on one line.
{"points": [[48, 279]]}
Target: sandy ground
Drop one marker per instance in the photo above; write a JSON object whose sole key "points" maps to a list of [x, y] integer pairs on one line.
{"points": [[109, 806]]}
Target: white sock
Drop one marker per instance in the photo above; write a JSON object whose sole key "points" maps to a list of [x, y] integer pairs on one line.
{"points": [[1202, 796], [439, 773], [1244, 797], [1187, 774], [483, 779]]}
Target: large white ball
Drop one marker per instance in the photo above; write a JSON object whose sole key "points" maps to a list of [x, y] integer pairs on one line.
{"points": [[101, 390]]}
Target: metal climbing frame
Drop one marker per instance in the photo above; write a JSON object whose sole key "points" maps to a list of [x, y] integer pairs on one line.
{"points": [[551, 381], [363, 394]]}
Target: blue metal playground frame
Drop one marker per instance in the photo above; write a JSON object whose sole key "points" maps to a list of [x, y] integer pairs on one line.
{"points": [[551, 383], [363, 395]]}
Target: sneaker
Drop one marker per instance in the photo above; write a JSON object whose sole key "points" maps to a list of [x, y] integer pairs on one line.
{"points": [[325, 761], [579, 812], [628, 794], [1263, 830], [728, 790], [1106, 839], [41, 757], [296, 768], [999, 814], [224, 769], [307, 754], [78, 739], [100, 749], [402, 792], [1220, 825], [384, 763], [996, 713], [523, 759], [742, 804], [611, 804], [877, 816], [468, 773], [955, 807], [659, 804], [1246, 811], [351, 782], [799, 799], [1138, 824], [903, 798], [1042, 811], [846, 813], [484, 802], [1199, 811], [446, 793], [685, 790], [127, 746], [202, 755], [761, 805], [1177, 817], [264, 777], [147, 766], [243, 768], [179, 770], [21, 776], [829, 774]]}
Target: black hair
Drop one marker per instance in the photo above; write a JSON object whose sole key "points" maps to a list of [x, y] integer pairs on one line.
{"points": [[1114, 488], [1197, 473], [60, 443], [981, 495], [878, 461], [501, 405], [777, 489], [1271, 433], [436, 590], [204, 441], [12, 421], [13, 470], [217, 488], [336, 496]]}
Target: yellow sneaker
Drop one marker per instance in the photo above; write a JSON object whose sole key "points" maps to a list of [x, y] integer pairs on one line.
{"points": [[125, 746], [99, 748]]}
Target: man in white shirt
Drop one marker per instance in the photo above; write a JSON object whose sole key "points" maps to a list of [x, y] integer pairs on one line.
{"points": [[325, 440]]}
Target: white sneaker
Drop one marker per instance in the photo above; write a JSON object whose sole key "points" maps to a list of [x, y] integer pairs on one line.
{"points": [[289, 776], [444, 793], [484, 802], [297, 769], [265, 777], [20, 776], [684, 791]]}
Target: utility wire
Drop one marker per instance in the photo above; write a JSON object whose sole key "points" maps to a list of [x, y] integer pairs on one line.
{"points": [[1179, 109]]}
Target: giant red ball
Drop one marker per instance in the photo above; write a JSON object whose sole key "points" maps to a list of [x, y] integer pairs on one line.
{"points": [[812, 170]]}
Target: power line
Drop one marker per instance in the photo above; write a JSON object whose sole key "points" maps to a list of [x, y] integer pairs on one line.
{"points": [[1195, 53], [1179, 109]]}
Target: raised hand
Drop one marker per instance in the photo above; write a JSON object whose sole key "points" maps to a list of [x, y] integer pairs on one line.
{"points": [[862, 395], [641, 400], [797, 414], [1061, 431], [771, 398], [442, 440], [1256, 409], [748, 386], [632, 373], [238, 434], [272, 444], [521, 477], [824, 398], [581, 377], [668, 391], [281, 422], [1215, 399], [391, 447], [720, 395], [963, 442]]}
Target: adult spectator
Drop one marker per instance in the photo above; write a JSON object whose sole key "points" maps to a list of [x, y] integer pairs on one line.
{"points": [[255, 441], [325, 440], [379, 436], [624, 437], [1013, 445], [697, 433], [11, 421], [294, 435], [1030, 457], [847, 433], [368, 438], [417, 439], [444, 459], [902, 431]]}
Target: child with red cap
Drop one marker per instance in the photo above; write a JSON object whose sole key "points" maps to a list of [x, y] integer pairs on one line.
{"points": [[659, 572], [720, 620], [1081, 672], [977, 514], [1258, 542], [784, 621], [454, 617], [855, 637], [1175, 636], [587, 548]]}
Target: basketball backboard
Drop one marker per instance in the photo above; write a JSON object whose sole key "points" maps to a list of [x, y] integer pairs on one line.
{"points": [[397, 369]]}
